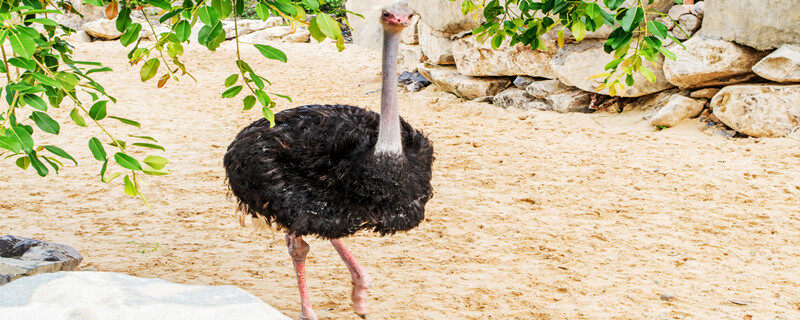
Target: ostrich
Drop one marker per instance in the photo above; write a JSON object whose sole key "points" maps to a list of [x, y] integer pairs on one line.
{"points": [[332, 170]]}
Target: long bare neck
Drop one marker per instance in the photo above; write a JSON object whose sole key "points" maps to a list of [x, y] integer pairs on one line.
{"points": [[389, 134]]}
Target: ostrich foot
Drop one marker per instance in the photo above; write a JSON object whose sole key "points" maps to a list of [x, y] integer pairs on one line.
{"points": [[360, 278], [298, 249]]}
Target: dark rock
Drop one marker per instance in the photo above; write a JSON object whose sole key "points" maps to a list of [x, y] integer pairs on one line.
{"points": [[415, 86], [418, 77], [20, 257], [523, 81], [405, 78]]}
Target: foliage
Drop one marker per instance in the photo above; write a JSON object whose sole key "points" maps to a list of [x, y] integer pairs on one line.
{"points": [[636, 42], [43, 80]]}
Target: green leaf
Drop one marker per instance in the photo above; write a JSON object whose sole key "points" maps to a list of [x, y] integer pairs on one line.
{"points": [[41, 169], [667, 53], [123, 19], [130, 188], [632, 19], [22, 44], [497, 40], [23, 162], [163, 4], [126, 121], [156, 162], [149, 69], [44, 122], [648, 74], [232, 92], [76, 117], [10, 144], [223, 7], [263, 98], [262, 11], [148, 145], [328, 26], [144, 137], [231, 80], [578, 30], [271, 52], [23, 137], [315, 31], [208, 15], [61, 153], [46, 80], [267, 112], [98, 110], [21, 62], [131, 34], [97, 149], [657, 28], [127, 161], [35, 101], [249, 102], [153, 172], [183, 30]]}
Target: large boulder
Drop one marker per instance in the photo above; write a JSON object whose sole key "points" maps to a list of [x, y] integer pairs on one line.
{"points": [[756, 23], [576, 63], [710, 62], [21, 257], [102, 29], [102, 295], [480, 59], [435, 45], [245, 26], [268, 34], [783, 65], [759, 110], [444, 16], [448, 78], [409, 57]]}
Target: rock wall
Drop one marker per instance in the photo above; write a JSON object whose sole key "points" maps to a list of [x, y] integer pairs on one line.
{"points": [[729, 72]]}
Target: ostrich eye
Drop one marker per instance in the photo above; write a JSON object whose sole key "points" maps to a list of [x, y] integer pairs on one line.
{"points": [[384, 14]]}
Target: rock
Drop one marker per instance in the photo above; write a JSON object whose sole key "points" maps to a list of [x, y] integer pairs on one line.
{"points": [[667, 296], [519, 99], [741, 302], [544, 88], [753, 23], [404, 78], [689, 22], [679, 10], [669, 23], [677, 109], [159, 31], [463, 86], [268, 34], [409, 57], [710, 62], [699, 9], [759, 110], [21, 257], [102, 295], [576, 63], [79, 36], [652, 102], [480, 59], [601, 33], [436, 46], [367, 32], [783, 65], [103, 29], [301, 35], [411, 34], [274, 22], [444, 16], [705, 93], [570, 101], [246, 26], [88, 12], [523, 81]]}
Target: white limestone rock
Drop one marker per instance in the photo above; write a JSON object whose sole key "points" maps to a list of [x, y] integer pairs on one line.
{"points": [[444, 16], [677, 109], [102, 295], [448, 78], [710, 62], [301, 35], [474, 58], [268, 34], [368, 32], [755, 23], [783, 65], [435, 45], [759, 110], [103, 29]]}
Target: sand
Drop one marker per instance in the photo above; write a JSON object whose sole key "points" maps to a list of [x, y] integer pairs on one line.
{"points": [[536, 215]]}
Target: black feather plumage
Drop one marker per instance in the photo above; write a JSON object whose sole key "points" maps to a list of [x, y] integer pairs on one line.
{"points": [[315, 173]]}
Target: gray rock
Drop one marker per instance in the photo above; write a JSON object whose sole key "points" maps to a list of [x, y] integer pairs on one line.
{"points": [[523, 81], [677, 109], [679, 10], [519, 99], [22, 257], [689, 22], [101, 295], [448, 78], [699, 9], [474, 58], [570, 101], [667, 296], [759, 110], [544, 88], [783, 65], [486, 99], [755, 23], [669, 23], [710, 62]]}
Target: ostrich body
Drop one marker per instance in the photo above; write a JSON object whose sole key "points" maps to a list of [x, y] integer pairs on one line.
{"points": [[332, 170]]}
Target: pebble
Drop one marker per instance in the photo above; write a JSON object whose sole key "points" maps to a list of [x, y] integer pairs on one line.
{"points": [[667, 296]]}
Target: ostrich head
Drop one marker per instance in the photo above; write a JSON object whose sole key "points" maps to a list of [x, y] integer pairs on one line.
{"points": [[396, 16]]}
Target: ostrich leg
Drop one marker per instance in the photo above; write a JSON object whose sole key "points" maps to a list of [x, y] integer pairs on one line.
{"points": [[360, 278], [298, 249]]}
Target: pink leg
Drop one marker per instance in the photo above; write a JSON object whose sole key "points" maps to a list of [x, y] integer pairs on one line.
{"points": [[360, 278], [298, 249]]}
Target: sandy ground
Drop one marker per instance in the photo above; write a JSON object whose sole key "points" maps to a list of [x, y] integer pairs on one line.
{"points": [[536, 215]]}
